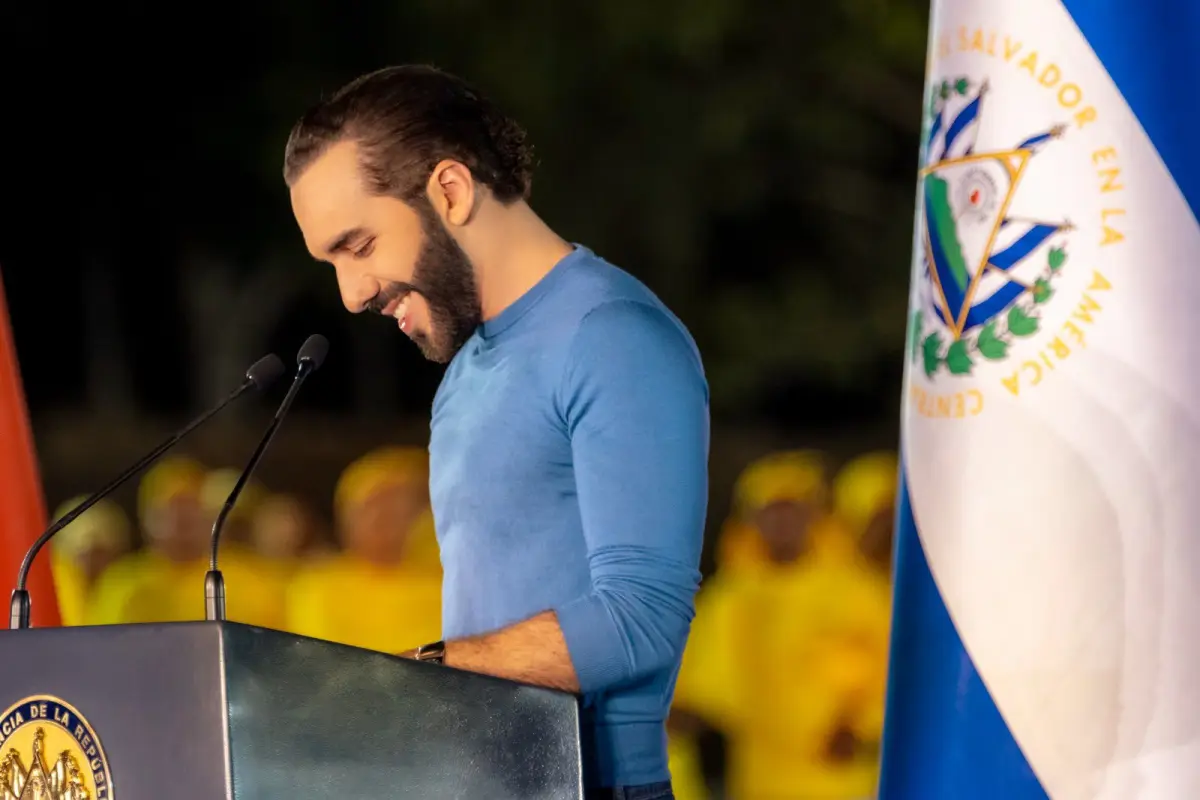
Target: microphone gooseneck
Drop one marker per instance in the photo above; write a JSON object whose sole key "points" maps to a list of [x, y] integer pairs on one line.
{"points": [[312, 354], [261, 374]]}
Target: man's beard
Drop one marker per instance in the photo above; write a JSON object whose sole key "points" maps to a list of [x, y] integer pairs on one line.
{"points": [[444, 276]]}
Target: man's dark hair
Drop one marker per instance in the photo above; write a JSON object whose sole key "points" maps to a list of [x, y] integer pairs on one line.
{"points": [[405, 120]]}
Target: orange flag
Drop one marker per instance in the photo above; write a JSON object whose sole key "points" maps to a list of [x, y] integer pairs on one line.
{"points": [[22, 507]]}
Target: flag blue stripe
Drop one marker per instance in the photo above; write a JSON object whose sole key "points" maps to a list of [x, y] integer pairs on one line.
{"points": [[964, 118], [943, 738], [1149, 48], [1033, 141], [1014, 254], [934, 129], [1021, 247], [999, 300]]}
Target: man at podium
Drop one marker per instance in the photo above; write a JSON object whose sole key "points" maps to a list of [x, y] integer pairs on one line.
{"points": [[569, 442]]}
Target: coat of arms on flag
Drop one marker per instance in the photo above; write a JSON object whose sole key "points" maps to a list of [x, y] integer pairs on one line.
{"points": [[984, 270]]}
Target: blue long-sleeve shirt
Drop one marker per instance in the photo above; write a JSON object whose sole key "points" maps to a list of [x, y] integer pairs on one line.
{"points": [[569, 472]]}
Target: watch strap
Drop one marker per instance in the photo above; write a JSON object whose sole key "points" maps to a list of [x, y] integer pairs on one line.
{"points": [[434, 653]]}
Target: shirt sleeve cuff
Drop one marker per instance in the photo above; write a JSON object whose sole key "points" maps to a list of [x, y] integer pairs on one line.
{"points": [[593, 642]]}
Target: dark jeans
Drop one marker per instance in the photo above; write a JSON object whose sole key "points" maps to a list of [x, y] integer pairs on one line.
{"points": [[647, 791]]}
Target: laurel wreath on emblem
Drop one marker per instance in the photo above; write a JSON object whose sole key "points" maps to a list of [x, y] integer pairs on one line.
{"points": [[994, 338], [1022, 319], [960, 85]]}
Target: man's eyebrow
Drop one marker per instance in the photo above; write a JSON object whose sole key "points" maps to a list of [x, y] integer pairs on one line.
{"points": [[343, 239]]}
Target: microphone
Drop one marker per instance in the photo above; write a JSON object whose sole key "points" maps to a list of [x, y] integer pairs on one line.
{"points": [[260, 375], [312, 354]]}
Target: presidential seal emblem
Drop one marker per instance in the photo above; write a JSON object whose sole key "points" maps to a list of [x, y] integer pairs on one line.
{"points": [[50, 752], [1015, 206]]}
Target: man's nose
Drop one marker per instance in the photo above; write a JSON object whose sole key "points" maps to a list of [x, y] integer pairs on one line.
{"points": [[356, 292]]}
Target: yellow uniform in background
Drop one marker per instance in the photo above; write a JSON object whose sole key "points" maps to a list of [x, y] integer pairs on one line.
{"points": [[83, 550], [71, 588], [107, 603], [347, 600], [783, 662], [864, 496], [165, 582], [167, 591], [687, 775], [384, 591], [787, 658]]}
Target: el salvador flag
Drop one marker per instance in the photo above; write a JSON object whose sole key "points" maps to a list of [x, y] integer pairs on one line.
{"points": [[1046, 634]]}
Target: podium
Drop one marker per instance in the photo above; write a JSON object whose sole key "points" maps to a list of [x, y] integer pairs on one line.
{"points": [[208, 710]]}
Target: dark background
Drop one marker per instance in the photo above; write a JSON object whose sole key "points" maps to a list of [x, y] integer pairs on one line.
{"points": [[752, 161]]}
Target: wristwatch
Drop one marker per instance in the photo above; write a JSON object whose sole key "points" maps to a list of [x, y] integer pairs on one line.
{"points": [[433, 653]]}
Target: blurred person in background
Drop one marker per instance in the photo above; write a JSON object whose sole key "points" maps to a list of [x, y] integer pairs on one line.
{"points": [[214, 491], [569, 440], [790, 489], [165, 582], [172, 525], [285, 530], [83, 550], [707, 694], [382, 592], [789, 641], [864, 497]]}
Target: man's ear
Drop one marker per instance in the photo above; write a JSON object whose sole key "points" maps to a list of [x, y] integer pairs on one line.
{"points": [[452, 192]]}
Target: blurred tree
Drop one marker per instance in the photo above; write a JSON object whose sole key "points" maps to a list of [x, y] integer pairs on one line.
{"points": [[752, 160]]}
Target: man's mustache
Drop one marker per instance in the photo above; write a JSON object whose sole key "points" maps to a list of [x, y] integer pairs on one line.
{"points": [[393, 291]]}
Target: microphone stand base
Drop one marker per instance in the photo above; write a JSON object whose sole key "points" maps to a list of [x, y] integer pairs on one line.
{"points": [[214, 596], [18, 610]]}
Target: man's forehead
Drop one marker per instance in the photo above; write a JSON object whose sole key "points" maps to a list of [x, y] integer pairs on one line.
{"points": [[328, 198]]}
